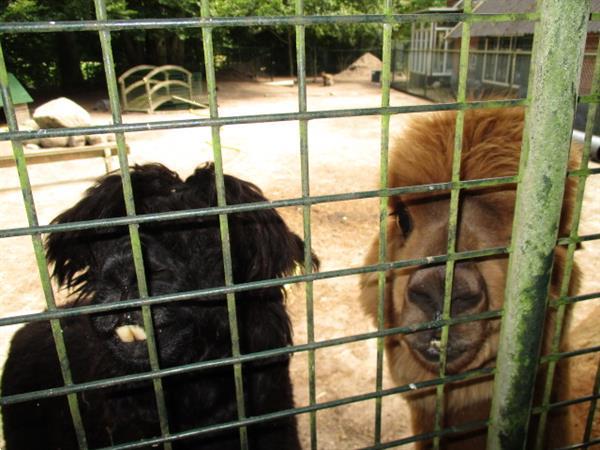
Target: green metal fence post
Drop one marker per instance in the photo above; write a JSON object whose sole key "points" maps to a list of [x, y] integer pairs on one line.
{"points": [[211, 83], [558, 56], [561, 311], [306, 217], [386, 78], [136, 246], [461, 98], [40, 256]]}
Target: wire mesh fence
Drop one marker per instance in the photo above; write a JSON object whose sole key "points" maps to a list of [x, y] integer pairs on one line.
{"points": [[492, 72], [540, 180]]}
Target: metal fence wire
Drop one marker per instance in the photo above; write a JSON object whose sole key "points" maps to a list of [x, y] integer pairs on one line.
{"points": [[558, 52]]}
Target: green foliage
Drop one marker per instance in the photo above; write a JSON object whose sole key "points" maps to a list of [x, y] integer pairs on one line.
{"points": [[20, 10], [52, 60], [91, 70], [118, 9], [409, 6]]}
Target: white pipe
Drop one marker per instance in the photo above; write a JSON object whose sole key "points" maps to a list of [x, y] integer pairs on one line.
{"points": [[579, 136]]}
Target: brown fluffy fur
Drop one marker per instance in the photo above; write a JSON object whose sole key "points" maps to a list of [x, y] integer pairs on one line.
{"points": [[423, 155]]}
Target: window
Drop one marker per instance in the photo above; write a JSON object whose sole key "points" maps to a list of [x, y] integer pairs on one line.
{"points": [[429, 50], [499, 59]]}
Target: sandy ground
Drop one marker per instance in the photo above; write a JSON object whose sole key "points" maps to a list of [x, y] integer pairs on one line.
{"points": [[344, 157]]}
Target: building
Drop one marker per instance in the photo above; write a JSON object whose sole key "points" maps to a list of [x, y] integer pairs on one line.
{"points": [[500, 53]]}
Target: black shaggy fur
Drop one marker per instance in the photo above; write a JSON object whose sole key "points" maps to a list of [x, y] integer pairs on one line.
{"points": [[181, 255]]}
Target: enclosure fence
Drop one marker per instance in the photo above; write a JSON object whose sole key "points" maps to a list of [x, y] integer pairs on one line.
{"points": [[550, 104]]}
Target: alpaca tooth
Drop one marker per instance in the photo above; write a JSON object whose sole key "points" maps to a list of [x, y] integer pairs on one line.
{"points": [[435, 343], [124, 333], [130, 333], [138, 332]]}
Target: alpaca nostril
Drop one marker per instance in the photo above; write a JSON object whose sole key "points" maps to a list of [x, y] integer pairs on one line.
{"points": [[468, 290], [465, 302], [426, 289], [423, 300]]}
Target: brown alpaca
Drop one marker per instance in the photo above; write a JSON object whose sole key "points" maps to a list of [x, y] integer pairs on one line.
{"points": [[417, 227]]}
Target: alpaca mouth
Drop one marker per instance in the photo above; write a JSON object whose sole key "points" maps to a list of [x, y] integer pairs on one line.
{"points": [[432, 351], [435, 344], [130, 333]]}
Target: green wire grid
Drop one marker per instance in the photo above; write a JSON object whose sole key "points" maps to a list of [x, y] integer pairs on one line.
{"points": [[306, 216], [561, 309], [136, 246], [556, 64], [300, 21], [264, 118], [223, 221], [383, 211], [213, 22], [592, 112], [453, 216], [40, 256]]}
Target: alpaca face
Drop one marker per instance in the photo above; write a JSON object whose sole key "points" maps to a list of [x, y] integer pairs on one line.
{"points": [[178, 337], [179, 255], [418, 228]]}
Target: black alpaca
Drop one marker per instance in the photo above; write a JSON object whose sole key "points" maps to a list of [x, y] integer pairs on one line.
{"points": [[179, 255]]}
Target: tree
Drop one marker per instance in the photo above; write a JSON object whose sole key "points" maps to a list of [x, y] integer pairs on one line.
{"points": [[46, 60], [55, 60]]}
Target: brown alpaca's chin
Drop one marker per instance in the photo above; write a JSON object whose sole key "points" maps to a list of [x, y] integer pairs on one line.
{"points": [[457, 361]]}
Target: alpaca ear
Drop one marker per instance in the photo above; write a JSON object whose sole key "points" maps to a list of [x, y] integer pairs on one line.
{"points": [[263, 247], [262, 244], [74, 252]]}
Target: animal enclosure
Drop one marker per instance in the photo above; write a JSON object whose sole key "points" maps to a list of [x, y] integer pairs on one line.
{"points": [[554, 143]]}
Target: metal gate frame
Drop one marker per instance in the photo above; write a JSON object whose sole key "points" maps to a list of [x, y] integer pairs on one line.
{"points": [[558, 50]]}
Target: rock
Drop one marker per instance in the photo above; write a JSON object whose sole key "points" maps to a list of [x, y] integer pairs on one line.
{"points": [[30, 125], [76, 141], [94, 139], [61, 113], [54, 142], [102, 105]]}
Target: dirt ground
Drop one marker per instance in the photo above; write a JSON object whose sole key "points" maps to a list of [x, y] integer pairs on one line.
{"points": [[344, 157]]}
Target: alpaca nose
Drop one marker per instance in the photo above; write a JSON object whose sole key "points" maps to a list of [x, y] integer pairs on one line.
{"points": [[426, 289]]}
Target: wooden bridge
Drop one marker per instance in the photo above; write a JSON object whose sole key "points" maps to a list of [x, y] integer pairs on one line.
{"points": [[145, 88]]}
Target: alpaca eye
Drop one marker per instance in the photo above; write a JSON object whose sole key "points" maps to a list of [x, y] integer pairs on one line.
{"points": [[403, 220]]}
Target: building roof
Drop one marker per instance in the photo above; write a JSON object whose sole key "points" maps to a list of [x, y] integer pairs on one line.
{"points": [[518, 28], [17, 91]]}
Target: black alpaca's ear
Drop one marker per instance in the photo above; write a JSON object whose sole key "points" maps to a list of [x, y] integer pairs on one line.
{"points": [[261, 240], [74, 252], [263, 247], [71, 251]]}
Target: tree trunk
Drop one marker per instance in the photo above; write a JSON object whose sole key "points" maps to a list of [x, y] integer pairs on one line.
{"points": [[156, 47], [134, 52], [68, 61], [176, 50], [291, 53]]}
